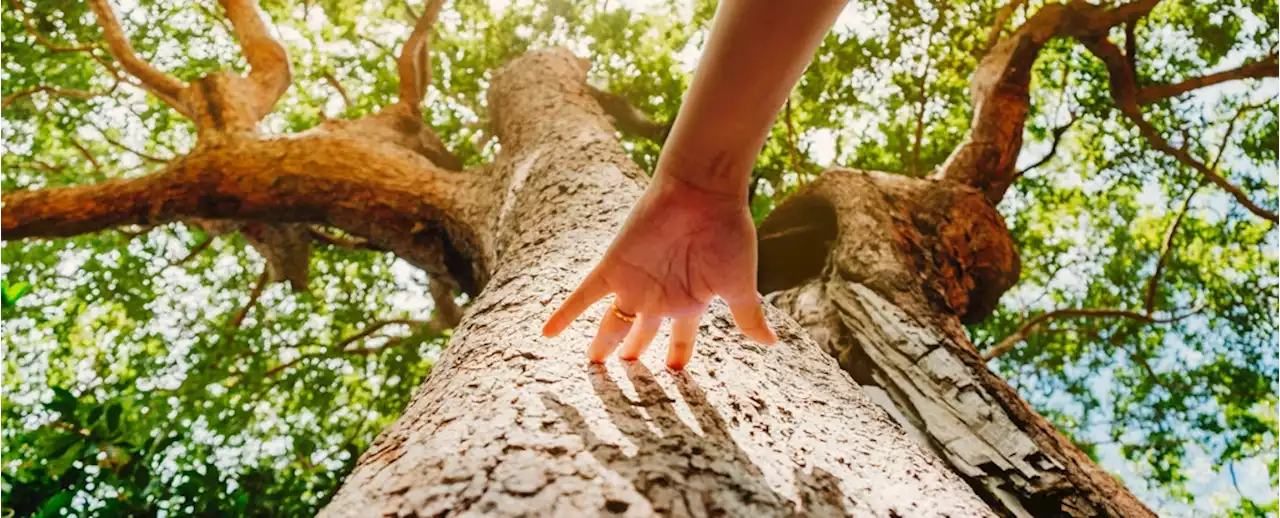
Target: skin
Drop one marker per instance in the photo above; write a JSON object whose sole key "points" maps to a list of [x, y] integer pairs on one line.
{"points": [[690, 237]]}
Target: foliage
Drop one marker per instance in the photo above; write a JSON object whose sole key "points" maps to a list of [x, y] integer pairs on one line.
{"points": [[142, 376]]}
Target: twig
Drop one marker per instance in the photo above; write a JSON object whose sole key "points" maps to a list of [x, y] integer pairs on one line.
{"points": [[85, 153], [41, 38], [195, 250], [341, 348], [1153, 283], [333, 81], [341, 242], [1231, 127], [413, 15], [1027, 328], [1058, 132], [233, 325], [51, 90], [794, 151]]}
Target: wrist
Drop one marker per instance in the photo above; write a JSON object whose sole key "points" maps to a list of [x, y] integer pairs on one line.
{"points": [[671, 191], [718, 176]]}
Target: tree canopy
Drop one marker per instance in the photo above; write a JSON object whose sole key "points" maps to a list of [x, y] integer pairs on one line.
{"points": [[157, 370]]}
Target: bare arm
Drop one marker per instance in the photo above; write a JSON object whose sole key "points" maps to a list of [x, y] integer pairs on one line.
{"points": [[690, 237], [757, 52]]}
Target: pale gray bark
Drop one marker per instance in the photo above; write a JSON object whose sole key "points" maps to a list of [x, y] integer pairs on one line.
{"points": [[512, 424]]}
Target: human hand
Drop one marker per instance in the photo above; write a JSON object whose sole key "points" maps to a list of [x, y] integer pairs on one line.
{"points": [[681, 246]]}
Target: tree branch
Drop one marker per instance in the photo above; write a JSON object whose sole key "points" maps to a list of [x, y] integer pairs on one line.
{"points": [[195, 250], [793, 150], [341, 348], [446, 314], [340, 241], [1058, 132], [269, 69], [627, 118], [414, 62], [51, 90], [1030, 326], [337, 85], [117, 143], [306, 178], [162, 85], [1268, 66], [85, 153], [1153, 283], [233, 325], [1124, 14], [987, 158], [1125, 93], [20, 13], [997, 26]]}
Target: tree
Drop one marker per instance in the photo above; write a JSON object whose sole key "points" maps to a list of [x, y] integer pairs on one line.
{"points": [[882, 270]]}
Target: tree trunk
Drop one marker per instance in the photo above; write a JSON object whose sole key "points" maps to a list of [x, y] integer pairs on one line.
{"points": [[510, 423], [885, 269]]}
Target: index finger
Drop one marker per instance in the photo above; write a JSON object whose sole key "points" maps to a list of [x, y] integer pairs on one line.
{"points": [[592, 289]]}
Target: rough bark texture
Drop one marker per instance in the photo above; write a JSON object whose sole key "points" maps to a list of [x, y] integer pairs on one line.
{"points": [[901, 264], [510, 423]]}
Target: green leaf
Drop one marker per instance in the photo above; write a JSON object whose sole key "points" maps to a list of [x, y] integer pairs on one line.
{"points": [[56, 503], [10, 293], [64, 403], [113, 416]]}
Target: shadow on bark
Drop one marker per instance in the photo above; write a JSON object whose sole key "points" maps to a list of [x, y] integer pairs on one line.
{"points": [[683, 471]]}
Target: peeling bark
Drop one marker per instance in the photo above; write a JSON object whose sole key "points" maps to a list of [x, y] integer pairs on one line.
{"points": [[904, 263], [510, 423]]}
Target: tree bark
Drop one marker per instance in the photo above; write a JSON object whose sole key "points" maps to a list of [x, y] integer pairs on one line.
{"points": [[510, 423], [889, 268]]}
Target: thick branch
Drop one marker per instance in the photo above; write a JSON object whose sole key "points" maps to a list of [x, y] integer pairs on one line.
{"points": [[414, 62], [999, 90], [627, 118], [269, 69], [1124, 91], [1266, 67], [398, 200], [162, 85]]}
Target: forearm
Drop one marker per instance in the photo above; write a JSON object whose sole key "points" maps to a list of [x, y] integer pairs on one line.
{"points": [[757, 51]]}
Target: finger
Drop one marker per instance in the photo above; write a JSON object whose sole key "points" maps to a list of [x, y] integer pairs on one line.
{"points": [[641, 335], [684, 333], [611, 332], [749, 315], [592, 289]]}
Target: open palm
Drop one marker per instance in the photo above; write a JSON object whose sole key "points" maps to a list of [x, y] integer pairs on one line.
{"points": [[680, 247]]}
